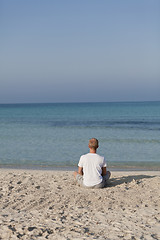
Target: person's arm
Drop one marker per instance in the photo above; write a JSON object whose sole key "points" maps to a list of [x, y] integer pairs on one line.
{"points": [[80, 170], [104, 171]]}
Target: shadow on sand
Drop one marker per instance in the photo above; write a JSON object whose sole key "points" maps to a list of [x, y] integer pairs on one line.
{"points": [[126, 179]]}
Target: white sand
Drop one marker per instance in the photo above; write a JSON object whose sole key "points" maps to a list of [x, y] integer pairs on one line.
{"points": [[49, 205]]}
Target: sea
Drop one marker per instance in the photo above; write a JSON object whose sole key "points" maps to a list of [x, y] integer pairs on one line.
{"points": [[55, 135]]}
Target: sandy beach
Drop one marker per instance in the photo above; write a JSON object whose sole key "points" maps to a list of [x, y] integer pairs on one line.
{"points": [[50, 205]]}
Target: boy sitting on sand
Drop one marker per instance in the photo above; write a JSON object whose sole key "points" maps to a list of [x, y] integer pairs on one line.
{"points": [[92, 170]]}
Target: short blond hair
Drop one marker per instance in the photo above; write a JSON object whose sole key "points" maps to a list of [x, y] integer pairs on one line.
{"points": [[93, 143]]}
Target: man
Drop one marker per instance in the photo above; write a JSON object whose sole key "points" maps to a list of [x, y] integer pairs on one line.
{"points": [[92, 171]]}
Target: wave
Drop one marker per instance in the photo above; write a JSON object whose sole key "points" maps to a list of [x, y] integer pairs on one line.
{"points": [[127, 140], [150, 125], [121, 124]]}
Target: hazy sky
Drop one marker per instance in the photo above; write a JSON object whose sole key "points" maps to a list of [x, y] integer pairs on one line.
{"points": [[79, 50]]}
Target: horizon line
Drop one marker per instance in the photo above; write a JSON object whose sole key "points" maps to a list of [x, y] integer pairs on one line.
{"points": [[76, 102]]}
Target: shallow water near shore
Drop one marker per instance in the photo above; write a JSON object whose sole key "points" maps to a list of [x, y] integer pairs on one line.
{"points": [[56, 135]]}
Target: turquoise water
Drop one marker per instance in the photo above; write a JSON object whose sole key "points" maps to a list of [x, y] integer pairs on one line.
{"points": [[50, 135]]}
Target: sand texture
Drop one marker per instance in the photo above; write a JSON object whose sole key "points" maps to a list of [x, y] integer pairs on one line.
{"points": [[49, 205]]}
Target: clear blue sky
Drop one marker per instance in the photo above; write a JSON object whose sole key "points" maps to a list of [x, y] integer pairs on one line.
{"points": [[79, 50]]}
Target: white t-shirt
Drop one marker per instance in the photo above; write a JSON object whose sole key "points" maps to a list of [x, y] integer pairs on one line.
{"points": [[92, 164]]}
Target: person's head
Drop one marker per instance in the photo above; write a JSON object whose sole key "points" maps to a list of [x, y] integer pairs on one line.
{"points": [[93, 143]]}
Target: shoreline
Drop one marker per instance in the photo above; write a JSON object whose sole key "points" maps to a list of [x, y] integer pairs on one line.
{"points": [[50, 205], [74, 168]]}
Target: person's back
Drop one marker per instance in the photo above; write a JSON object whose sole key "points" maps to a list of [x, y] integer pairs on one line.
{"points": [[92, 168], [92, 164]]}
